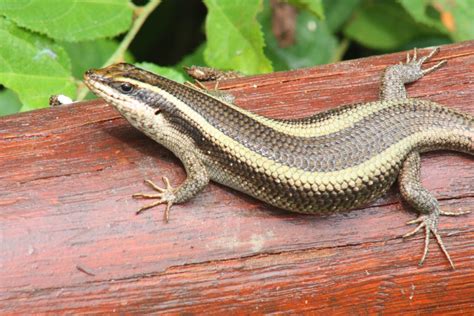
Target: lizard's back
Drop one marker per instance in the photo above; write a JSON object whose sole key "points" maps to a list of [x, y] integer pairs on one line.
{"points": [[342, 160]]}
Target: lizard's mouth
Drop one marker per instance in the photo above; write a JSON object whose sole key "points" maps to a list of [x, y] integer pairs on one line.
{"points": [[94, 78], [99, 81], [94, 81], [103, 83]]}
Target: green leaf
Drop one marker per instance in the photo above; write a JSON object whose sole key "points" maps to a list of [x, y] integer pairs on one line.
{"points": [[167, 72], [462, 11], [90, 54], [9, 102], [426, 41], [423, 12], [384, 25], [70, 20], [33, 66], [313, 6], [338, 12], [314, 43], [234, 38]]}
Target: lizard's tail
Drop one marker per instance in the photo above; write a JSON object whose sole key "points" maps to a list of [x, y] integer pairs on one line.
{"points": [[458, 132]]}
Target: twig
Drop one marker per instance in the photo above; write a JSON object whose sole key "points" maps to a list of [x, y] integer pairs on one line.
{"points": [[141, 14]]}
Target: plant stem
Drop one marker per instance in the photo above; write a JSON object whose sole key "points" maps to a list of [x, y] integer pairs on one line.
{"points": [[340, 51], [141, 14]]}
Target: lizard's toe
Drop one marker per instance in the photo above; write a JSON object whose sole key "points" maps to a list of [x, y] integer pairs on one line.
{"points": [[430, 224], [165, 196]]}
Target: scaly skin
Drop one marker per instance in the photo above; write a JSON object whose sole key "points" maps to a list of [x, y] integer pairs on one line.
{"points": [[330, 162]]}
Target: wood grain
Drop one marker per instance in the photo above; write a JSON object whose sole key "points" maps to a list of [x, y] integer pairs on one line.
{"points": [[70, 241]]}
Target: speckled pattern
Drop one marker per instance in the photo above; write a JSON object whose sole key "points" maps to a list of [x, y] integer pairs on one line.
{"points": [[329, 162]]}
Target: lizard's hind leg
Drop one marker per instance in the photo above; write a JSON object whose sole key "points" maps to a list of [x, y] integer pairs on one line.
{"points": [[422, 201], [395, 77]]}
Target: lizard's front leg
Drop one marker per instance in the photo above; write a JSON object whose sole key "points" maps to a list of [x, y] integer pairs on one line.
{"points": [[197, 178], [203, 74]]}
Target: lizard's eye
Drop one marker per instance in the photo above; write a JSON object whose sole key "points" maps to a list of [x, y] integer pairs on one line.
{"points": [[126, 87]]}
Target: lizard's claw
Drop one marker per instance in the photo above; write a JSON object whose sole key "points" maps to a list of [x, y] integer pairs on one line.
{"points": [[430, 223], [418, 62], [165, 196]]}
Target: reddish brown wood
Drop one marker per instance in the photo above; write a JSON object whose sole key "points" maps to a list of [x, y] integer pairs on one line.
{"points": [[70, 240]]}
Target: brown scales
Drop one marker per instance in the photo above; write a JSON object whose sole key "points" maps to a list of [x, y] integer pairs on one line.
{"points": [[205, 158]]}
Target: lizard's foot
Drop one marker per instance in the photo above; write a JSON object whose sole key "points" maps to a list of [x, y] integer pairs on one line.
{"points": [[219, 94], [203, 74], [165, 196], [395, 77], [430, 223], [211, 74], [416, 62]]}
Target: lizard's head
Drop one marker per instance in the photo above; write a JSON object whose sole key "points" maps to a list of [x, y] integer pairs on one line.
{"points": [[131, 91]]}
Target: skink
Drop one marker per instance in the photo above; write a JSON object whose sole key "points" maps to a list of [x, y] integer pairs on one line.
{"points": [[329, 162]]}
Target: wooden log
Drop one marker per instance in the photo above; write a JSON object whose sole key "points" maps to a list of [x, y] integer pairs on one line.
{"points": [[70, 241]]}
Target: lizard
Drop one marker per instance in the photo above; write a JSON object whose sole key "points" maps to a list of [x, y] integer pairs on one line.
{"points": [[329, 162]]}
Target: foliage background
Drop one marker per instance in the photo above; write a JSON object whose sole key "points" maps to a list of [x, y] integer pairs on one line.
{"points": [[46, 45]]}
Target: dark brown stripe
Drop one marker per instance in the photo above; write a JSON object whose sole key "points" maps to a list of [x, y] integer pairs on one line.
{"points": [[345, 148]]}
